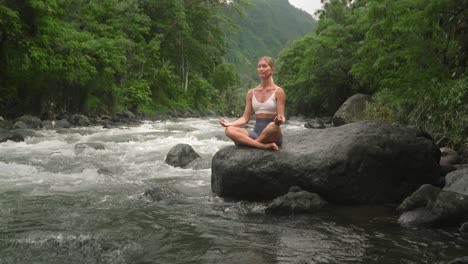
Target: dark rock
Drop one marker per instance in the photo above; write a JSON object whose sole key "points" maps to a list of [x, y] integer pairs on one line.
{"points": [[446, 169], [48, 125], [431, 206], [5, 124], [30, 121], [25, 133], [80, 120], [359, 163], [464, 228], [462, 260], [163, 193], [201, 163], [62, 123], [461, 166], [8, 135], [82, 147], [181, 155], [108, 126], [126, 115], [315, 124], [463, 153], [449, 156], [20, 125], [440, 183], [352, 110], [457, 181], [297, 202], [295, 189]]}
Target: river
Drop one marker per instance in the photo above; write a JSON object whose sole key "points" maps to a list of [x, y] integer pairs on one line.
{"points": [[60, 205]]}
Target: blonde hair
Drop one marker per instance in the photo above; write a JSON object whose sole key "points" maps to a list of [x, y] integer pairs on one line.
{"points": [[269, 61]]}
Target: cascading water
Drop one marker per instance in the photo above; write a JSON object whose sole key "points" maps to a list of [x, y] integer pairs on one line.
{"points": [[60, 204]]}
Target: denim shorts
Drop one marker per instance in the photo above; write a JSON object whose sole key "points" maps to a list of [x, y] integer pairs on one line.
{"points": [[260, 124]]}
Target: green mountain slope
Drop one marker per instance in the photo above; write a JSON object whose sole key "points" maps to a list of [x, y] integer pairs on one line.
{"points": [[266, 29]]}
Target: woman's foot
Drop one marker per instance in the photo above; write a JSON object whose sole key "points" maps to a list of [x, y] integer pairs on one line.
{"points": [[272, 146]]}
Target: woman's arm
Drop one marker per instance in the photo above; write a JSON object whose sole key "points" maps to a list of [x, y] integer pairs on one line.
{"points": [[280, 106], [244, 119]]}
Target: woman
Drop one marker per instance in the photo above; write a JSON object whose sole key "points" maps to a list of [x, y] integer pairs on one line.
{"points": [[268, 101]]}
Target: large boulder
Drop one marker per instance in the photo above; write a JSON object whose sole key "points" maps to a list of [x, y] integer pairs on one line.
{"points": [[352, 110], [360, 163]]}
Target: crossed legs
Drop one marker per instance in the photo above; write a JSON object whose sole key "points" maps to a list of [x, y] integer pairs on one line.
{"points": [[266, 139]]}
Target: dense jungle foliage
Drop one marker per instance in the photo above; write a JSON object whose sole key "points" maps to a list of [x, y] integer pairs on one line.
{"points": [[151, 56], [411, 55], [109, 55]]}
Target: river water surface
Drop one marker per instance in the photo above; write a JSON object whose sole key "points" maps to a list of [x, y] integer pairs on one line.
{"points": [[61, 205]]}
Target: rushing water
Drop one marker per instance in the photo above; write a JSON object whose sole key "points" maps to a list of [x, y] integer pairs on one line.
{"points": [[60, 205]]}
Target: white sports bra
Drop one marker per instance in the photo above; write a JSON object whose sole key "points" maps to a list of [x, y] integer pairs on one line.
{"points": [[267, 107]]}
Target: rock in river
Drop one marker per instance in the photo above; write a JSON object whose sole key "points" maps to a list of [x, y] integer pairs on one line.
{"points": [[365, 162]]}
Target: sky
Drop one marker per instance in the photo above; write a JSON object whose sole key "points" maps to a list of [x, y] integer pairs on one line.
{"points": [[309, 6]]}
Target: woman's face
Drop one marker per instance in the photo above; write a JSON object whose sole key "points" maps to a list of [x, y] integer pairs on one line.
{"points": [[263, 69]]}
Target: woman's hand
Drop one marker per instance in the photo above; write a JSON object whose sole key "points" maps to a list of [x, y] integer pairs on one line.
{"points": [[279, 120], [224, 122]]}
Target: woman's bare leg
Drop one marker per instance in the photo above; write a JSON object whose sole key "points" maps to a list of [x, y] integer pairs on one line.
{"points": [[270, 134], [241, 137]]}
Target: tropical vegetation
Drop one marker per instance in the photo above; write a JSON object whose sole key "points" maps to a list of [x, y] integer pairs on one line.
{"points": [[411, 55]]}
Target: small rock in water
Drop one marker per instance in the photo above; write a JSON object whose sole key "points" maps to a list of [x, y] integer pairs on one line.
{"points": [[297, 201], [82, 147], [181, 155]]}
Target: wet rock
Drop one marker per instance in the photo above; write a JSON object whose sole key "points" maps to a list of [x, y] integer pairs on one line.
{"points": [[5, 124], [352, 110], [432, 206], [181, 155], [20, 125], [297, 202], [359, 163], [109, 171], [82, 147], [6, 135], [62, 123], [48, 125], [449, 156], [461, 166], [126, 115], [80, 120], [315, 124], [201, 163], [25, 133], [28, 120], [457, 181], [162, 193], [446, 169]]}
